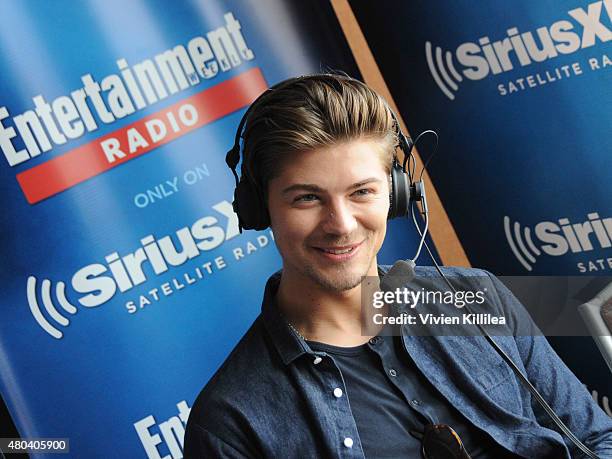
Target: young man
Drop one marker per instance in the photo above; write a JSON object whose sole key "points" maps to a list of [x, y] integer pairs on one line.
{"points": [[304, 381]]}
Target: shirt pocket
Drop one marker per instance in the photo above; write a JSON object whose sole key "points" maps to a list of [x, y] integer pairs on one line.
{"points": [[501, 387]]}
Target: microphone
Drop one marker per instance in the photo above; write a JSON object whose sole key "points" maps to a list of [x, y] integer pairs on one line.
{"points": [[399, 275], [395, 280]]}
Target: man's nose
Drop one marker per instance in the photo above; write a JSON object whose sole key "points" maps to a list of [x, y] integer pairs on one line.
{"points": [[339, 219]]}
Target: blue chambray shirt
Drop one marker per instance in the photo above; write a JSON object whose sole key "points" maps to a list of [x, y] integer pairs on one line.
{"points": [[274, 396]]}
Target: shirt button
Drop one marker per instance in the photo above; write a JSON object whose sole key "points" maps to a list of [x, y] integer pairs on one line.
{"points": [[392, 372], [337, 392], [348, 442], [374, 340], [415, 402], [317, 360]]}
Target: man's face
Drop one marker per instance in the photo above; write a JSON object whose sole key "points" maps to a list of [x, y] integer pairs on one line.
{"points": [[328, 210]]}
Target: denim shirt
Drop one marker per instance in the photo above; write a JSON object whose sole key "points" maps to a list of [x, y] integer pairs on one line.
{"points": [[274, 396]]}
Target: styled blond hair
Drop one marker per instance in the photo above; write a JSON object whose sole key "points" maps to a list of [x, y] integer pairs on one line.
{"points": [[311, 112]]}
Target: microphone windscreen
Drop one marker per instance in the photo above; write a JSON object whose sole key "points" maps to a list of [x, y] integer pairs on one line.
{"points": [[398, 276], [606, 314]]}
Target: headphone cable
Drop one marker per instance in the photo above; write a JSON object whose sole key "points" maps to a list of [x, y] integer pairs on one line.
{"points": [[534, 392]]}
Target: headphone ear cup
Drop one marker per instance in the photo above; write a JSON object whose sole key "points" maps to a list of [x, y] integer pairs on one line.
{"points": [[400, 192], [249, 206]]}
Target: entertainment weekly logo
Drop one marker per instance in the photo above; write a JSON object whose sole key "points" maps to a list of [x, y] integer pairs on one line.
{"points": [[583, 28], [131, 91], [557, 238]]}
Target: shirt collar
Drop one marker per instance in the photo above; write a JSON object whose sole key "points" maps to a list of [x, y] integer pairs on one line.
{"points": [[288, 344]]}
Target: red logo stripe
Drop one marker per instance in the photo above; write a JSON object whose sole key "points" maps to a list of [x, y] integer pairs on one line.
{"points": [[89, 160]]}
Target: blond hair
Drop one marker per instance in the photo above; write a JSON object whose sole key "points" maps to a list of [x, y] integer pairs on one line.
{"points": [[311, 112]]}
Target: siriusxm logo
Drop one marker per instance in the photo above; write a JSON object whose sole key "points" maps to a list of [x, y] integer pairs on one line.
{"points": [[557, 238], [60, 293], [582, 29], [98, 282]]}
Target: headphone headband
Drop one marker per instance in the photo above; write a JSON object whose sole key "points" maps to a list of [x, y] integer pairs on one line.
{"points": [[249, 202]]}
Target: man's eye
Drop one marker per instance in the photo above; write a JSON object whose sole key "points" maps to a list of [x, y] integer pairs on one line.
{"points": [[306, 198], [363, 192]]}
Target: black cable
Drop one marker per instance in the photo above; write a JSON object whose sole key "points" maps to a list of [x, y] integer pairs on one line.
{"points": [[522, 377], [435, 150], [534, 392]]}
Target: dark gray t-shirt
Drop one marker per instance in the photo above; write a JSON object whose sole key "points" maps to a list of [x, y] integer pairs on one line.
{"points": [[392, 401]]}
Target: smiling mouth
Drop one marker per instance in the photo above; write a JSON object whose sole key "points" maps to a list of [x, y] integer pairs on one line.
{"points": [[340, 250]]}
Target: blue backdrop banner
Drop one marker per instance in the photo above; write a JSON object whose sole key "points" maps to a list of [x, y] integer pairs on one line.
{"points": [[125, 280]]}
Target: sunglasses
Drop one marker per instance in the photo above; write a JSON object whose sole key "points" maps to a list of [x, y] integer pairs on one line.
{"points": [[442, 442]]}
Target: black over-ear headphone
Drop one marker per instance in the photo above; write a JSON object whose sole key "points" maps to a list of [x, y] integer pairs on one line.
{"points": [[249, 201]]}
